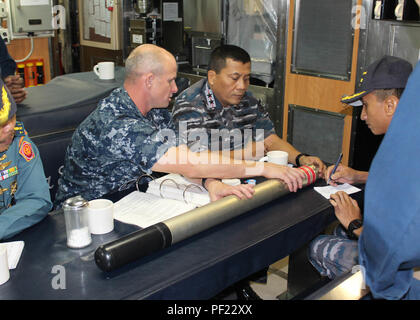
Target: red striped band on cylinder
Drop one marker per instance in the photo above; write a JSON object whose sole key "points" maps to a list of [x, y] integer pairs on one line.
{"points": [[310, 173], [308, 176], [313, 173]]}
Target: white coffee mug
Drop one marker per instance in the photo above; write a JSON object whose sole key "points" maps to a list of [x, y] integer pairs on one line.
{"points": [[101, 216], [4, 265], [104, 70], [277, 157]]}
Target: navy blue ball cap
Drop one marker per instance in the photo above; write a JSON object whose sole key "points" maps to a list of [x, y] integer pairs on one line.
{"points": [[386, 73]]}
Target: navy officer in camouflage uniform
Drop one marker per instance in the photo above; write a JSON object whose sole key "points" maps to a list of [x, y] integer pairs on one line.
{"points": [[24, 193], [219, 114], [223, 102], [131, 133]]}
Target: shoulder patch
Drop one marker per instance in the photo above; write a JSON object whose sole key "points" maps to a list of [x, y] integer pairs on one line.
{"points": [[26, 151]]}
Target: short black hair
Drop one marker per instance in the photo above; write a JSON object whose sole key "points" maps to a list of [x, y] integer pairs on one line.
{"points": [[382, 94], [219, 56]]}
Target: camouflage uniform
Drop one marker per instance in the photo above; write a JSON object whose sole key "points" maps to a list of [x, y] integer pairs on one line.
{"points": [[333, 255], [201, 113], [112, 147]]}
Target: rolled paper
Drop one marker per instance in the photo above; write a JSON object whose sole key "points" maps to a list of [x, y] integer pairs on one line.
{"points": [[138, 244]]}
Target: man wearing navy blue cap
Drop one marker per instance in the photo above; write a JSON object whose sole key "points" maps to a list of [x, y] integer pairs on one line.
{"points": [[24, 192], [389, 250], [379, 91]]}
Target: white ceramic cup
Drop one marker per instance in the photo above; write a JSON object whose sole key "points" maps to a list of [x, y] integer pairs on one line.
{"points": [[277, 157], [104, 70], [4, 265], [101, 216]]}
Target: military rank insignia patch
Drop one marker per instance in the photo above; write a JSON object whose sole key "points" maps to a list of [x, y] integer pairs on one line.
{"points": [[19, 130], [26, 151]]}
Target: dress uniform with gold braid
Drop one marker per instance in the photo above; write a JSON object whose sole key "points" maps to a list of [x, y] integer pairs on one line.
{"points": [[24, 193]]}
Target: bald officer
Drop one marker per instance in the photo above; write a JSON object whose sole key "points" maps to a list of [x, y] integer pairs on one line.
{"points": [[24, 193]]}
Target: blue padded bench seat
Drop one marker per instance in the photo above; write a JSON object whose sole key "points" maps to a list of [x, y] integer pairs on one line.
{"points": [[64, 102]]}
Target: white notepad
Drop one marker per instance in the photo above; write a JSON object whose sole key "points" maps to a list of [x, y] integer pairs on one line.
{"points": [[14, 251], [329, 190]]}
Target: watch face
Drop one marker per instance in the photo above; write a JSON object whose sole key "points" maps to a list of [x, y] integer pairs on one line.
{"points": [[355, 224]]}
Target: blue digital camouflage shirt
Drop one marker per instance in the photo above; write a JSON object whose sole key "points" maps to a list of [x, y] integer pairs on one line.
{"points": [[205, 125], [112, 147]]}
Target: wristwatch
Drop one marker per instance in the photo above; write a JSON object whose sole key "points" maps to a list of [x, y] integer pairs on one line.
{"points": [[354, 225], [300, 155]]}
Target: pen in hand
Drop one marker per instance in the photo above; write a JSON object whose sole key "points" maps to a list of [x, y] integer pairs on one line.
{"points": [[335, 167]]}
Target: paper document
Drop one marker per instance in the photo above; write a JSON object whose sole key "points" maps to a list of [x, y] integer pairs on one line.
{"points": [[177, 187], [170, 11], [14, 251], [144, 209], [329, 190]]}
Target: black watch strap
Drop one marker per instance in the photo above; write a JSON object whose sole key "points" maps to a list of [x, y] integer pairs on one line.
{"points": [[300, 155], [203, 182], [354, 225]]}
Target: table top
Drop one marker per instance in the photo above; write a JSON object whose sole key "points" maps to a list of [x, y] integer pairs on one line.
{"points": [[195, 268]]}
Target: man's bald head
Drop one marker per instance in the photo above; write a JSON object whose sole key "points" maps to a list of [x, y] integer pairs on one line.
{"points": [[150, 77], [146, 58]]}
